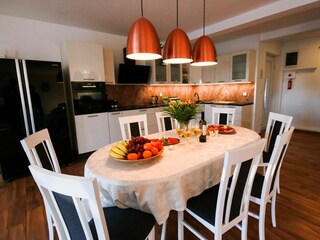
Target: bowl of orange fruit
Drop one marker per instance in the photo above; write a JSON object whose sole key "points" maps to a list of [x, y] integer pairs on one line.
{"points": [[137, 149]]}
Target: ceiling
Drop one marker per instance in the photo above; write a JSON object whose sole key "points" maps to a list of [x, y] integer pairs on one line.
{"points": [[224, 20]]}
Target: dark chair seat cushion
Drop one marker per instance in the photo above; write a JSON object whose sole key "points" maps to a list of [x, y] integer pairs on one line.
{"points": [[204, 205], [127, 223]]}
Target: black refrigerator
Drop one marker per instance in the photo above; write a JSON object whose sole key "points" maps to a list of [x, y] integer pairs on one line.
{"points": [[31, 98]]}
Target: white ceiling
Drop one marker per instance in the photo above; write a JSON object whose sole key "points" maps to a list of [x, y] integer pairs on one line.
{"points": [[225, 19]]}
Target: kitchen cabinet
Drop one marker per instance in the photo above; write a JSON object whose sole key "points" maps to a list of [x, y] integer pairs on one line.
{"points": [[243, 66], [195, 73], [222, 69], [114, 126], [84, 61], [208, 74], [243, 117], [109, 66], [168, 73], [92, 131]]}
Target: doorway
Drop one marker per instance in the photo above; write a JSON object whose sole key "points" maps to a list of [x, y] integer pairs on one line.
{"points": [[268, 90]]}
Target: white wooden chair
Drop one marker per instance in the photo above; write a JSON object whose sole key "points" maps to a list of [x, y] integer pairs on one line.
{"points": [[133, 126], [277, 124], [225, 205], [40, 151], [265, 186], [223, 115], [164, 121], [64, 195]]}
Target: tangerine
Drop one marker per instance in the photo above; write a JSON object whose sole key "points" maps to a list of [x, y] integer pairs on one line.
{"points": [[132, 156], [146, 154], [147, 146], [157, 144], [154, 151]]}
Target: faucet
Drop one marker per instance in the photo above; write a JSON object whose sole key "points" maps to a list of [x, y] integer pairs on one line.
{"points": [[196, 95]]}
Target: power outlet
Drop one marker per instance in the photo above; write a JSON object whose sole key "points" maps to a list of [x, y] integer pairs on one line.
{"points": [[244, 94]]}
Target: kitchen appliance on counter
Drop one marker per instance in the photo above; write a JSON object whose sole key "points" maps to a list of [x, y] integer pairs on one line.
{"points": [[29, 90], [112, 104], [154, 100]]}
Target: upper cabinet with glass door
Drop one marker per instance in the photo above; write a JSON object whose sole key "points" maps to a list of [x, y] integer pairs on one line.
{"points": [[243, 66], [168, 73]]}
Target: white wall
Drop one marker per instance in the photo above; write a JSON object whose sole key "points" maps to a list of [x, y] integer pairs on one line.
{"points": [[29, 39], [302, 101]]}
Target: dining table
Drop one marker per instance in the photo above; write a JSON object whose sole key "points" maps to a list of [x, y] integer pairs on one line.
{"points": [[166, 182]]}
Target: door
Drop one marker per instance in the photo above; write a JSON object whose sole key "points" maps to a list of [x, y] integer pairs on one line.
{"points": [[267, 98]]}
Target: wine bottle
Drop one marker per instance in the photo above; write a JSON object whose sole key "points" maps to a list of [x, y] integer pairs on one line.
{"points": [[203, 136], [202, 122]]}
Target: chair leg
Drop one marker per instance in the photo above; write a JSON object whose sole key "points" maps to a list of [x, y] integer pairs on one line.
{"points": [[163, 231], [244, 228], [50, 224], [152, 234], [273, 210], [180, 225], [262, 214]]}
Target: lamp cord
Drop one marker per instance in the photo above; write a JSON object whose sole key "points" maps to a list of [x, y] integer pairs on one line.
{"points": [[204, 16], [141, 8], [177, 14]]}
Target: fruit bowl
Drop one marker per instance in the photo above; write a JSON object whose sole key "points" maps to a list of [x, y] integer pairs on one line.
{"points": [[137, 149], [138, 160]]}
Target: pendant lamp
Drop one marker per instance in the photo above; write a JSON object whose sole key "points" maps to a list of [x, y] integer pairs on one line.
{"points": [[204, 52], [143, 41], [177, 49]]}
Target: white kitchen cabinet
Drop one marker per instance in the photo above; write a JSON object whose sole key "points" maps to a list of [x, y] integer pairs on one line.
{"points": [[109, 66], [92, 131], [168, 73], [208, 74], [243, 66], [195, 74], [222, 69], [114, 126], [85, 61], [243, 117]]}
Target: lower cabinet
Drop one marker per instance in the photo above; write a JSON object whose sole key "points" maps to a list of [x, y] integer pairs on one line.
{"points": [[114, 126], [92, 131]]}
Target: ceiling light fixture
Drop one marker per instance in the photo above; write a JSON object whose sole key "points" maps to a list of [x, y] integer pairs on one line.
{"points": [[143, 41], [204, 52], [177, 49]]}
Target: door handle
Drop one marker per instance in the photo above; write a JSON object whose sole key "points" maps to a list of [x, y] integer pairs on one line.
{"points": [[93, 115]]}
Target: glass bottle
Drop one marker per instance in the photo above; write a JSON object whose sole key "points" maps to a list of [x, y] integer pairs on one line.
{"points": [[202, 122]]}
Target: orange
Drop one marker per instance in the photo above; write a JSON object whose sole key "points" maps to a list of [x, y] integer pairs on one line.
{"points": [[147, 146], [146, 154], [154, 150], [157, 144], [132, 156]]}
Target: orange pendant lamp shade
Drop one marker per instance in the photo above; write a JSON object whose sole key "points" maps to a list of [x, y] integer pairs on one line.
{"points": [[177, 49], [143, 41], [204, 52]]}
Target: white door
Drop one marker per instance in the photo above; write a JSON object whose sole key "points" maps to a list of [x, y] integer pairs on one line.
{"points": [[267, 98]]}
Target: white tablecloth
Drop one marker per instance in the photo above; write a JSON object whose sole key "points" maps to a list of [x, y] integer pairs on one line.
{"points": [[167, 182]]}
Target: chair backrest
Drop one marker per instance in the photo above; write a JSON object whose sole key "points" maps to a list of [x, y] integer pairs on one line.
{"points": [[64, 194], [238, 173], [277, 124], [164, 122], [39, 150], [223, 115], [274, 165], [133, 126]]}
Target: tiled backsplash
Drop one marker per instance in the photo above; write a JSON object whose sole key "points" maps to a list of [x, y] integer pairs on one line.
{"points": [[141, 94]]}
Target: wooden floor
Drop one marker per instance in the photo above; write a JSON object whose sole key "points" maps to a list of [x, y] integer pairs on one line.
{"points": [[298, 205]]}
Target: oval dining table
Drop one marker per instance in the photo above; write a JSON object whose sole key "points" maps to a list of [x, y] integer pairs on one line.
{"points": [[164, 183]]}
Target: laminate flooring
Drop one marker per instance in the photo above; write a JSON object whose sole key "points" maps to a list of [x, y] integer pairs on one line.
{"points": [[22, 213]]}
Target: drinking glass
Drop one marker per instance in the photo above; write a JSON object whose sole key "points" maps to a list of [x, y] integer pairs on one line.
{"points": [[179, 129]]}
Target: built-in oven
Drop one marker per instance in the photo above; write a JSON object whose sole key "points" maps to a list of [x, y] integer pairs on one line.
{"points": [[89, 97]]}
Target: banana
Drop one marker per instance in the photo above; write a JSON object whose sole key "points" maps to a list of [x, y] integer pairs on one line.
{"points": [[122, 147], [115, 155], [118, 151]]}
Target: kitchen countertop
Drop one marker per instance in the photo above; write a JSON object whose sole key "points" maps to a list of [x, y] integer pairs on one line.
{"points": [[132, 107]]}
